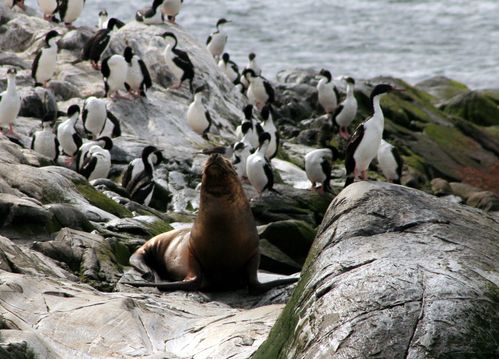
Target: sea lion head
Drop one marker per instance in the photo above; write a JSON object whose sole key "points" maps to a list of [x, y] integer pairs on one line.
{"points": [[219, 177]]}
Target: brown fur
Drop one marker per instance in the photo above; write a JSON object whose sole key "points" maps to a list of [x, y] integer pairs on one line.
{"points": [[219, 252]]}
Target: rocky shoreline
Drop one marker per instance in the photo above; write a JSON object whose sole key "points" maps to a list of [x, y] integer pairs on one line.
{"points": [[65, 243]]}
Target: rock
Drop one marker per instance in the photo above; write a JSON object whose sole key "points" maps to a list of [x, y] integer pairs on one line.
{"points": [[68, 216], [292, 237], [394, 271], [89, 256], [11, 59], [37, 102], [485, 200], [24, 261], [463, 190], [146, 226], [298, 76], [274, 260], [292, 203], [475, 107], [16, 213], [43, 312], [479, 134], [308, 137], [76, 39], [442, 88], [440, 187], [17, 34], [63, 91]]}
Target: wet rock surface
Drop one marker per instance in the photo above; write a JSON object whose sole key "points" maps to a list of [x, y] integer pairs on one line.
{"points": [[394, 273]]}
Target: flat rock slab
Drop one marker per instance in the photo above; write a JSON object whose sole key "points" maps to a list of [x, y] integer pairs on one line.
{"points": [[44, 308], [395, 273]]}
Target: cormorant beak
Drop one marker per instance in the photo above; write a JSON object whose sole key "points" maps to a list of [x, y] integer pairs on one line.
{"points": [[398, 89]]}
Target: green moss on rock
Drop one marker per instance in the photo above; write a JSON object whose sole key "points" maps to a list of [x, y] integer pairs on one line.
{"points": [[159, 227], [101, 201], [121, 252], [442, 88], [475, 107], [452, 142]]}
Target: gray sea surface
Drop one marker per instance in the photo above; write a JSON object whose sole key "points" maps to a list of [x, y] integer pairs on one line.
{"points": [[410, 39]]}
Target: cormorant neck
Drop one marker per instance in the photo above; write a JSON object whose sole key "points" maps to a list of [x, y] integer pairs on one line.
{"points": [[349, 89], [11, 84], [375, 105], [263, 148]]}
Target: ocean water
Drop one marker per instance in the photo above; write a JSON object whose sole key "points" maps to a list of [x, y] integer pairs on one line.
{"points": [[410, 39]]}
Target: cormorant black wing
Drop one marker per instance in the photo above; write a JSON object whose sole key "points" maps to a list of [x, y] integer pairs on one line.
{"points": [[352, 145]]}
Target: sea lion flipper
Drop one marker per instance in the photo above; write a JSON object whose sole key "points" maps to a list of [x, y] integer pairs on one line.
{"points": [[258, 287], [254, 285], [190, 284]]}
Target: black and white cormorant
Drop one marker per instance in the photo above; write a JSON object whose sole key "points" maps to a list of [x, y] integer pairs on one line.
{"points": [[217, 40], [138, 77], [97, 163], [68, 136], [198, 117], [326, 92], [45, 141], [345, 113], [70, 10], [10, 103], [260, 91], [390, 162], [45, 62], [318, 167], [258, 167], [364, 144], [249, 130], [98, 43], [171, 8], [151, 15], [253, 65], [178, 61], [229, 67], [114, 70], [94, 116], [149, 158], [268, 126], [239, 157], [82, 154], [103, 19]]}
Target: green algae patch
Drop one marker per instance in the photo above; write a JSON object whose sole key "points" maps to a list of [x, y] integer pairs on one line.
{"points": [[415, 161], [121, 252], [284, 328], [97, 199], [475, 107], [283, 155], [442, 88], [158, 227], [491, 130], [293, 237], [453, 142]]}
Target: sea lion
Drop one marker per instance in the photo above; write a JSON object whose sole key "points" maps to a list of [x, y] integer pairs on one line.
{"points": [[220, 251]]}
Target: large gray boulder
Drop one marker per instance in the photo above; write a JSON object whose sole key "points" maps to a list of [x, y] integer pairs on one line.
{"points": [[47, 311], [394, 273]]}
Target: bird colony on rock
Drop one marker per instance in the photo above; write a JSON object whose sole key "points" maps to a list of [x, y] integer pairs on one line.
{"points": [[86, 141]]}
